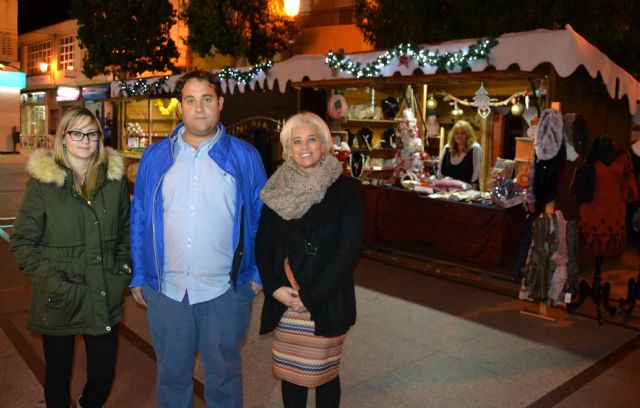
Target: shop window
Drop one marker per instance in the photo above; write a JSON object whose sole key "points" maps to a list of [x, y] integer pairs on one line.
{"points": [[39, 120], [149, 120], [37, 53]]}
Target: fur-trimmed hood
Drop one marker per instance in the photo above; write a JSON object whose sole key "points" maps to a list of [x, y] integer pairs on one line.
{"points": [[42, 167]]}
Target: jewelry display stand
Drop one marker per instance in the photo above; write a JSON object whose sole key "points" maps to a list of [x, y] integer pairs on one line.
{"points": [[633, 293], [598, 292]]}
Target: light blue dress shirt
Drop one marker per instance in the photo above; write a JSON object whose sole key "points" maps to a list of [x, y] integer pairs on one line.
{"points": [[199, 202]]}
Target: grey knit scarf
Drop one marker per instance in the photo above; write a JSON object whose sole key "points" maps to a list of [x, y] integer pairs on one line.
{"points": [[290, 192], [549, 135]]}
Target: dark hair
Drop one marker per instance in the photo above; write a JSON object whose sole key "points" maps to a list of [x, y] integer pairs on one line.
{"points": [[207, 76]]}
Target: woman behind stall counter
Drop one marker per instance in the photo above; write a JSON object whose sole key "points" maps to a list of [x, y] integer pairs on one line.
{"points": [[455, 160]]}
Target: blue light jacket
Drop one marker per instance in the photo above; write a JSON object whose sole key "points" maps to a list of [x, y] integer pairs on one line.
{"points": [[234, 156]]}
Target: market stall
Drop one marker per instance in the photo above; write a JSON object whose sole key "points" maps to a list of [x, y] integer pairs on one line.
{"points": [[520, 76], [498, 85]]}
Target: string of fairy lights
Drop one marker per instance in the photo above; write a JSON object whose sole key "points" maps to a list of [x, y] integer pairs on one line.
{"points": [[423, 56], [244, 77], [140, 87]]}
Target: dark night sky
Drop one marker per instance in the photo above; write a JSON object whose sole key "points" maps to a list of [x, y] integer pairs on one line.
{"points": [[34, 14]]}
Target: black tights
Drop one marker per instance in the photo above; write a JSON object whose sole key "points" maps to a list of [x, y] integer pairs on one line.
{"points": [[327, 394], [101, 359]]}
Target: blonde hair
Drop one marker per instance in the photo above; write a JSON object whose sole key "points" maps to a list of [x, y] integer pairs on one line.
{"points": [[468, 130], [303, 118], [71, 118]]}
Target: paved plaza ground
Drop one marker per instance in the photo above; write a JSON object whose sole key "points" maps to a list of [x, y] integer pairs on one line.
{"points": [[429, 334]]}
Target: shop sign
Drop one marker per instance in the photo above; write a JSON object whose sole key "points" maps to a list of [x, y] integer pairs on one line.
{"points": [[13, 79], [95, 92], [67, 93]]}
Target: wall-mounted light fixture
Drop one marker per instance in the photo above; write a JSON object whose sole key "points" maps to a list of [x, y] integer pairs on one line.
{"points": [[6, 67]]}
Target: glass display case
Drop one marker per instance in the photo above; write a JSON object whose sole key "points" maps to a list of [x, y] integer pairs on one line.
{"points": [[148, 120]]}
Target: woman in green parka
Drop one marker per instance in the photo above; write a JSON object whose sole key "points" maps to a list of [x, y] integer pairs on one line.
{"points": [[71, 239]]}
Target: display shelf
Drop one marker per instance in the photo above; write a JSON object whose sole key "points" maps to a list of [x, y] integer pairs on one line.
{"points": [[365, 150], [130, 154], [135, 118], [378, 122]]}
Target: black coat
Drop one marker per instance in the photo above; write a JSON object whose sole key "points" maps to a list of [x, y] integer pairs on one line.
{"points": [[322, 247]]}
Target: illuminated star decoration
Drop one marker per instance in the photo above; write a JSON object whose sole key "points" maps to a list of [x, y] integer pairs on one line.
{"points": [[423, 56]]}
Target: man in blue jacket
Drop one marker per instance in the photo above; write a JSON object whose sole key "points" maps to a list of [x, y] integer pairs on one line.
{"points": [[194, 217]]}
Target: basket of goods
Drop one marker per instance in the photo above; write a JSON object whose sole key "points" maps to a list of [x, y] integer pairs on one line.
{"points": [[505, 193]]}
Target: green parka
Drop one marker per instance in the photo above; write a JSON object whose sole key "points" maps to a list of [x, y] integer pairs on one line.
{"points": [[72, 249]]}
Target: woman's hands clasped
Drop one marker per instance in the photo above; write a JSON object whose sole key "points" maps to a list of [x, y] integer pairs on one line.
{"points": [[290, 298]]}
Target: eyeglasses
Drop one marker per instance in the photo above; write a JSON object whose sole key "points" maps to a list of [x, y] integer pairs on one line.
{"points": [[77, 135]]}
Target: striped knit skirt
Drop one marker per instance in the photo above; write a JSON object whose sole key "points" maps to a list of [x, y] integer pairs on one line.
{"points": [[299, 356]]}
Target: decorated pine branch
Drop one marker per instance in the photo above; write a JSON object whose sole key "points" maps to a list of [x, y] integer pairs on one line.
{"points": [[408, 52]]}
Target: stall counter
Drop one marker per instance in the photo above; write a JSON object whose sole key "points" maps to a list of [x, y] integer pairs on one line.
{"points": [[466, 231]]}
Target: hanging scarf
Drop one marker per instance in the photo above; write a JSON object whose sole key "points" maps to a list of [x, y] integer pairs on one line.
{"points": [[549, 135], [290, 192]]}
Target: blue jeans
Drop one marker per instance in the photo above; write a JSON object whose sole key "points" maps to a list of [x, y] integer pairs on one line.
{"points": [[216, 329]]}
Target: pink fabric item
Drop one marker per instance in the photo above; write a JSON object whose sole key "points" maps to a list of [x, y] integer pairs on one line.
{"points": [[449, 184]]}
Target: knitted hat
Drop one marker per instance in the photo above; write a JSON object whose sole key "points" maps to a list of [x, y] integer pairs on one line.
{"points": [[549, 136]]}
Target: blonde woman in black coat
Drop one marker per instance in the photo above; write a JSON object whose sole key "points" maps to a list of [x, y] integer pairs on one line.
{"points": [[308, 240]]}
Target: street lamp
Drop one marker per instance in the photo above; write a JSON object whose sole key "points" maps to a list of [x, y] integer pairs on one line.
{"points": [[291, 8], [44, 67]]}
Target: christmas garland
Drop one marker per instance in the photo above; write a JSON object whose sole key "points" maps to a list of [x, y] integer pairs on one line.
{"points": [[140, 87], [408, 52], [246, 76]]}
